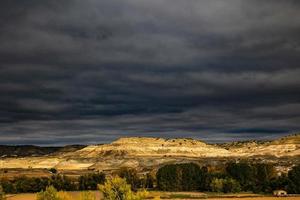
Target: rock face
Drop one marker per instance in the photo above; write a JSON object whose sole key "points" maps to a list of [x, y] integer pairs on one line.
{"points": [[145, 152]]}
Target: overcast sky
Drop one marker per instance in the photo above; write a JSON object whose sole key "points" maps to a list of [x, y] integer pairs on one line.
{"points": [[94, 70]]}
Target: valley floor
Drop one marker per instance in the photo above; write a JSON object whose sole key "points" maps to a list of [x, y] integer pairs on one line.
{"points": [[176, 195]]}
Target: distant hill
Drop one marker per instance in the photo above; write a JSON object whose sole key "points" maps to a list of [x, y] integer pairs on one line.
{"points": [[290, 139], [147, 152], [31, 150]]}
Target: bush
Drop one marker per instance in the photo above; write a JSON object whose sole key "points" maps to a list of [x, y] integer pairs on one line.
{"points": [[216, 185], [227, 185], [117, 188], [231, 186], [49, 194]]}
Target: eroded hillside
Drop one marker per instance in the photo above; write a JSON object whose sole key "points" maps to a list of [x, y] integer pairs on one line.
{"points": [[145, 152]]}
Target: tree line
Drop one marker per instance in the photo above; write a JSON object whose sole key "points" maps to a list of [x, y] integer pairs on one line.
{"points": [[236, 177], [26, 184]]}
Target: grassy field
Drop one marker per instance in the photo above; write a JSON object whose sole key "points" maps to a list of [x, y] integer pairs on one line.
{"points": [[33, 196], [176, 195]]}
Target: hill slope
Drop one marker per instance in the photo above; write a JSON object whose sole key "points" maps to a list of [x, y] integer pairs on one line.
{"points": [[143, 152]]}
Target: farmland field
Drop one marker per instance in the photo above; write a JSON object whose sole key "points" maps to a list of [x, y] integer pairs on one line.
{"points": [[31, 196], [174, 195]]}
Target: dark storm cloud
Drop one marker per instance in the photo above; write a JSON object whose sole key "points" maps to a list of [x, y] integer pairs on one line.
{"points": [[91, 71]]}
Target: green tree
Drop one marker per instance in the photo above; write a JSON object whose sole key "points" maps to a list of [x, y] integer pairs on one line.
{"points": [[90, 181], [149, 180], [294, 180], [254, 177], [280, 183], [264, 174], [49, 194], [244, 173], [61, 182], [117, 188], [24, 184], [167, 178], [131, 177], [8, 186], [180, 177]]}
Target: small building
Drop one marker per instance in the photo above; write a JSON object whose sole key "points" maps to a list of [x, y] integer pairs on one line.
{"points": [[280, 193]]}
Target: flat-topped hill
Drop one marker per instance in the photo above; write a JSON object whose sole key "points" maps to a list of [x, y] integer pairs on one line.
{"points": [[147, 146], [147, 152]]}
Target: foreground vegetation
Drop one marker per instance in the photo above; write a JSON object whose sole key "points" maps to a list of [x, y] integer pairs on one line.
{"points": [[126, 184]]}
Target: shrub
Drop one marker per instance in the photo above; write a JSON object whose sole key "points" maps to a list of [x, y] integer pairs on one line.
{"points": [[118, 189], [225, 185], [49, 194], [231, 185], [216, 185]]}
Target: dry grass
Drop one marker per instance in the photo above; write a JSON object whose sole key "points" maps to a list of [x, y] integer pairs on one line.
{"points": [[259, 198], [75, 195], [170, 196]]}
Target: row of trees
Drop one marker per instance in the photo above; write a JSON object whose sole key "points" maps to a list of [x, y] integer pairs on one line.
{"points": [[60, 182], [180, 177], [236, 177]]}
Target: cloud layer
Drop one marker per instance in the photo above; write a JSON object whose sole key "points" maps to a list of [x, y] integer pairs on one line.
{"points": [[91, 71]]}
